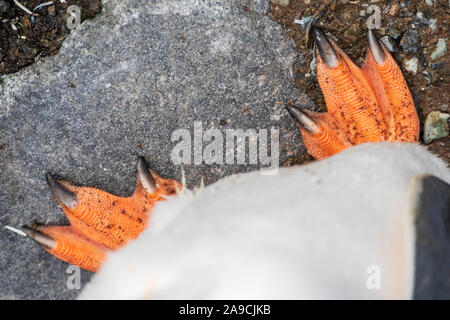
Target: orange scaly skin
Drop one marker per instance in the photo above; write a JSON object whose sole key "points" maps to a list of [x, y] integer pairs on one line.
{"points": [[75, 248], [101, 221], [329, 140], [371, 104]]}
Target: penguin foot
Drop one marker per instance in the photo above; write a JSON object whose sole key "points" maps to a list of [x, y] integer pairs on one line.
{"points": [[368, 104], [100, 221]]}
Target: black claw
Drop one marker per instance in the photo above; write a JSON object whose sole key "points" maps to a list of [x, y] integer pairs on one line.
{"points": [[375, 47], [61, 193], [144, 176], [326, 51], [301, 118], [41, 238]]}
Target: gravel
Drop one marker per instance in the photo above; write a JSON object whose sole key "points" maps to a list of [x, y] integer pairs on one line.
{"points": [[411, 65], [441, 49], [410, 42], [436, 126]]}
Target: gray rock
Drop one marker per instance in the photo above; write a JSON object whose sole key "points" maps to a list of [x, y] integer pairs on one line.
{"points": [[411, 65], [436, 126], [303, 22], [438, 65], [432, 24], [120, 86], [410, 41], [441, 49]]}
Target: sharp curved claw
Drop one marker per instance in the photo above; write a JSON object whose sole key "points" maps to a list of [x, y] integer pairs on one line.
{"points": [[305, 121], [145, 177], [60, 193], [326, 51], [375, 47], [41, 238]]}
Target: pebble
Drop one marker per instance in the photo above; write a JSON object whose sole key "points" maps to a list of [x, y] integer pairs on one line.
{"points": [[395, 9], [441, 49], [51, 10], [410, 42], [411, 65], [303, 22], [283, 3], [438, 65], [432, 24], [427, 77], [431, 77], [394, 32], [313, 65], [29, 52], [429, 2], [436, 126]]}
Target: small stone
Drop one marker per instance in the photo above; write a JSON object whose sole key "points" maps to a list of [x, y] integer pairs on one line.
{"points": [[29, 52], [432, 24], [436, 126], [388, 42], [283, 3], [427, 77], [25, 21], [441, 49], [438, 65], [15, 52], [44, 42], [394, 32], [395, 9], [429, 2], [410, 42], [303, 22], [51, 10], [431, 77], [313, 65], [411, 65]]}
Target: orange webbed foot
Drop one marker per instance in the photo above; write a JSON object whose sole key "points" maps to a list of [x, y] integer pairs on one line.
{"points": [[100, 221], [368, 104]]}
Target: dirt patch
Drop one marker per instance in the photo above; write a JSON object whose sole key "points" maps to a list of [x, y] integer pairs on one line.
{"points": [[25, 38], [413, 28]]}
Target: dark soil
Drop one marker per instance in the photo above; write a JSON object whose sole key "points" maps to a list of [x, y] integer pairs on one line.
{"points": [[346, 23], [23, 41]]}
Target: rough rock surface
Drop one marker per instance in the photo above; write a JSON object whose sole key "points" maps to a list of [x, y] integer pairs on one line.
{"points": [[121, 84]]}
